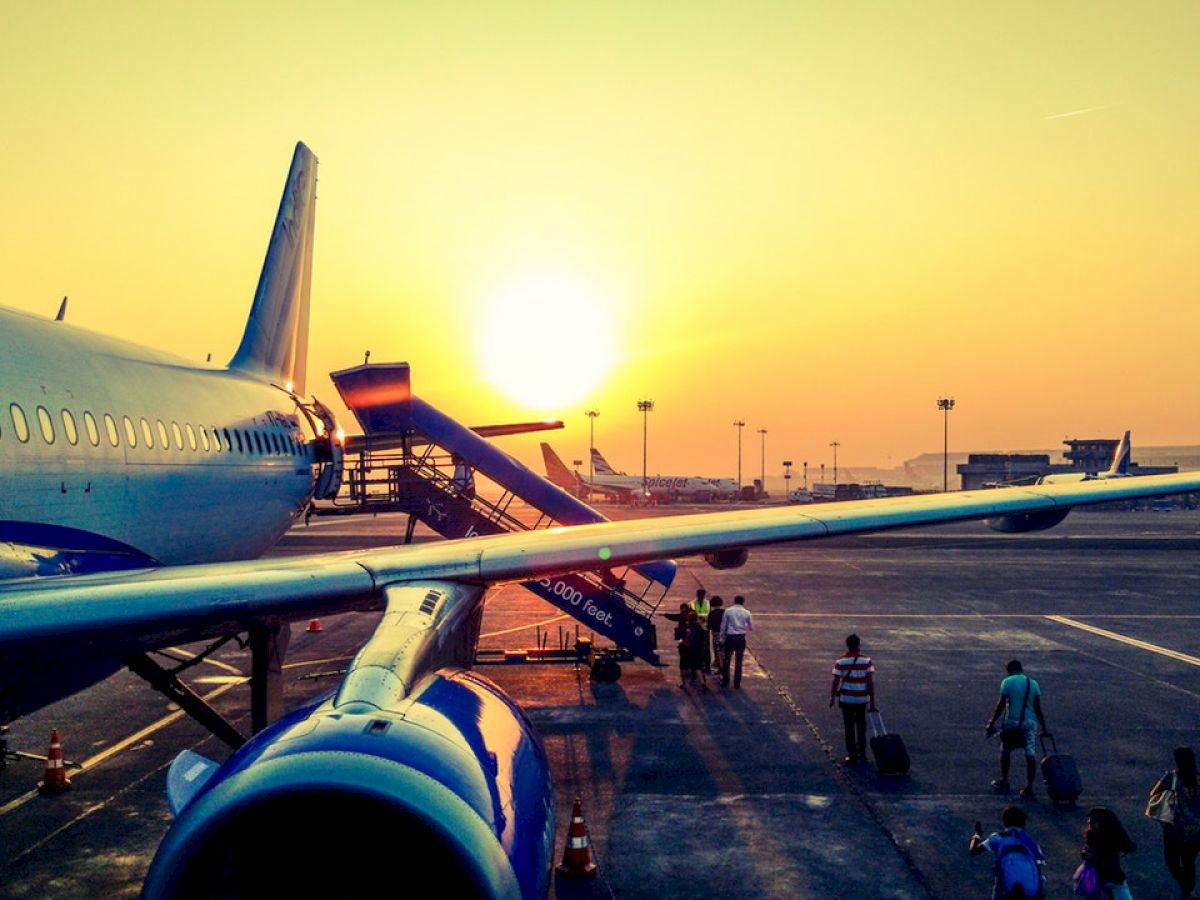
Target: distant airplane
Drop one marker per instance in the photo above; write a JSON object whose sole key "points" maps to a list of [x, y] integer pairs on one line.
{"points": [[137, 489], [1118, 469], [609, 482]]}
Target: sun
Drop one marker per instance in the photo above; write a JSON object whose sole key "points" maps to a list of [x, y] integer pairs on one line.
{"points": [[546, 339]]}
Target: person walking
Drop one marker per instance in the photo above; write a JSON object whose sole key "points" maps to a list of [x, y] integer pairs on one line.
{"points": [[1020, 704], [735, 625], [1181, 835], [1018, 858], [1104, 840], [701, 607], [715, 615], [686, 671], [853, 689]]}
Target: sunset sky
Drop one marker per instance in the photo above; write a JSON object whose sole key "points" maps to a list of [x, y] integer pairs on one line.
{"points": [[816, 218]]}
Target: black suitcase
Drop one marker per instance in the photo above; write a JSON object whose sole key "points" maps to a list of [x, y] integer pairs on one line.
{"points": [[1060, 773], [891, 757]]}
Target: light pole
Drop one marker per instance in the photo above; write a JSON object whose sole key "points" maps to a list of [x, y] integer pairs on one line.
{"points": [[578, 487], [591, 414], [739, 425], [945, 404], [787, 479], [806, 474], [644, 407], [762, 461], [835, 445]]}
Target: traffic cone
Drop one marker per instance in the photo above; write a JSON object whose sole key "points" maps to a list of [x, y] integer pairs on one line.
{"points": [[314, 626], [577, 854], [55, 781]]}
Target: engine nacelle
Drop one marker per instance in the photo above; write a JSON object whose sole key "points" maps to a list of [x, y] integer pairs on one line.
{"points": [[451, 786], [1032, 521], [727, 559]]}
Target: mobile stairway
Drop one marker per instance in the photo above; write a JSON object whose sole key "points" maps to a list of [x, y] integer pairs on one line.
{"points": [[412, 458]]}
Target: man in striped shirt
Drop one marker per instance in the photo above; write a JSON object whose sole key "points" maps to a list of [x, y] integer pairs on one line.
{"points": [[854, 689]]}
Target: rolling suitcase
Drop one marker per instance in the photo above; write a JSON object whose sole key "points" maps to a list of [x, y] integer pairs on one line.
{"points": [[1060, 773], [891, 757]]}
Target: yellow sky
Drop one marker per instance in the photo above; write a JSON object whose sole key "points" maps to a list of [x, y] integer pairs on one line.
{"points": [[816, 218]]}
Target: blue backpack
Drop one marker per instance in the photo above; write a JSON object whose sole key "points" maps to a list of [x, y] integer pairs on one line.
{"points": [[1018, 871]]}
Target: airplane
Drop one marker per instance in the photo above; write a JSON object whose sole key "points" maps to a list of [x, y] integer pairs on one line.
{"points": [[626, 488], [1118, 469], [139, 490]]}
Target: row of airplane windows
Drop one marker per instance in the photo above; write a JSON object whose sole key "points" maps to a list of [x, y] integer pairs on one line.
{"points": [[210, 440]]}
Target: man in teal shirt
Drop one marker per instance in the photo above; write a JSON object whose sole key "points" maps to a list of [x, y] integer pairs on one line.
{"points": [[1021, 705]]}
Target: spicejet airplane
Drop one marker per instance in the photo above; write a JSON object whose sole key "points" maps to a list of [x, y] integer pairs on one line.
{"points": [[624, 487], [138, 487]]}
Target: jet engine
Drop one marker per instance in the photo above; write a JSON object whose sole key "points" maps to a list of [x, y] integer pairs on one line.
{"points": [[733, 558], [449, 788], [1032, 521]]}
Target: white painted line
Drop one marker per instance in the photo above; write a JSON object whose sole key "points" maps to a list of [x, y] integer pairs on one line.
{"points": [[1132, 642]]}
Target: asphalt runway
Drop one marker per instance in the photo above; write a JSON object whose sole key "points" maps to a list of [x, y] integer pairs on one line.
{"points": [[743, 793]]}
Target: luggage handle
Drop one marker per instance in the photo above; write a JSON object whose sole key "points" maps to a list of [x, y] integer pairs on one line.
{"points": [[875, 717], [1053, 743]]}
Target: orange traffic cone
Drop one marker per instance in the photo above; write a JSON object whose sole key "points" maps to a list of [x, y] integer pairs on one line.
{"points": [[577, 854], [314, 626], [55, 781]]}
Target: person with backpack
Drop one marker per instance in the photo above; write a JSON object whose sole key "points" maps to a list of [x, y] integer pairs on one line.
{"points": [[1181, 835], [1018, 860]]}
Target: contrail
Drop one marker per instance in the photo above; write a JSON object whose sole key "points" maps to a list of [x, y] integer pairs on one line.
{"points": [[1075, 112]]}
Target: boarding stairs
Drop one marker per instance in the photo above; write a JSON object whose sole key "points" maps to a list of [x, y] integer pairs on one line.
{"points": [[424, 477]]}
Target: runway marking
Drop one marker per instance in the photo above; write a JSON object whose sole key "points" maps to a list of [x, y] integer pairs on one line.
{"points": [[549, 621], [208, 659], [93, 761], [1133, 642]]}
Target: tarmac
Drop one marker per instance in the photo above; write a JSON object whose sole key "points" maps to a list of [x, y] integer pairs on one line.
{"points": [[743, 793]]}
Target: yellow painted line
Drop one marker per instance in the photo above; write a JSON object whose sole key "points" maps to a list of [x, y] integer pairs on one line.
{"points": [[208, 659], [492, 634], [1132, 642], [980, 615], [138, 736]]}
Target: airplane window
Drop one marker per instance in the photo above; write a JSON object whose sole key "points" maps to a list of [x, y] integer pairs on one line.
{"points": [[130, 431], [163, 440], [204, 438], [69, 428], [191, 433], [275, 442], [228, 441], [237, 434], [89, 422], [258, 442], [147, 434], [110, 428], [46, 423], [20, 426], [178, 435]]}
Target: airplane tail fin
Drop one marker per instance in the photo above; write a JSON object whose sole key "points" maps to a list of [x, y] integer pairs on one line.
{"points": [[556, 469], [600, 464], [1120, 463], [275, 343]]}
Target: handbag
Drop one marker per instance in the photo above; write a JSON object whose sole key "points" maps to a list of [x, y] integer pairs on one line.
{"points": [[1161, 805], [1086, 882]]}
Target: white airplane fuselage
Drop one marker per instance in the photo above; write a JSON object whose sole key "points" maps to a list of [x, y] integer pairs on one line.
{"points": [[108, 447]]}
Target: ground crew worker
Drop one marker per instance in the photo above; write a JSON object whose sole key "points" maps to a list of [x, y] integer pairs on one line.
{"points": [[700, 607]]}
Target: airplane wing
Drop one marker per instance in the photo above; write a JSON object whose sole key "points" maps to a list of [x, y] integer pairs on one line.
{"points": [[124, 612]]}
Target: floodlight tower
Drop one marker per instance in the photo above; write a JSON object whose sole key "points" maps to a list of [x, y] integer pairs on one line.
{"points": [[762, 461], [945, 404], [592, 414], [644, 407], [787, 479], [835, 445], [739, 425]]}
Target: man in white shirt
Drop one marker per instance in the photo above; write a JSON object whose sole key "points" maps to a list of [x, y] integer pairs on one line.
{"points": [[735, 625]]}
